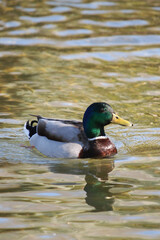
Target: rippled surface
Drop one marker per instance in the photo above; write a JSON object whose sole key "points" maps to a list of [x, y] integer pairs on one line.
{"points": [[57, 57]]}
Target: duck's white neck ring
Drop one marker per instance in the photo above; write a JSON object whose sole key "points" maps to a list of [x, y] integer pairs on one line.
{"points": [[96, 138]]}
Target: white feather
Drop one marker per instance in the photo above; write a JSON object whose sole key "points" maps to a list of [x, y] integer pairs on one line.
{"points": [[96, 138]]}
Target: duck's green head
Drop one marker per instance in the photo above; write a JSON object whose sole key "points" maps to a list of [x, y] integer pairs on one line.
{"points": [[97, 116]]}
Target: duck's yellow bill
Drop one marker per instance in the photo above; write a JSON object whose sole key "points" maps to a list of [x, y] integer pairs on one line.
{"points": [[118, 120]]}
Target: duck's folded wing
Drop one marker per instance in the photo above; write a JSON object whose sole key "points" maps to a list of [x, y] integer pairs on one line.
{"points": [[61, 130]]}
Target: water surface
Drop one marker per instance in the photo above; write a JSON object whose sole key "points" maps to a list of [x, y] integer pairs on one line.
{"points": [[56, 58]]}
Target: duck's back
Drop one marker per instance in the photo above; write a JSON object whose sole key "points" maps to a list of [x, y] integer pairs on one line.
{"points": [[56, 138]]}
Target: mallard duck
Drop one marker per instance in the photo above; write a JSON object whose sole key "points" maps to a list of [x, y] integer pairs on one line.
{"points": [[74, 139]]}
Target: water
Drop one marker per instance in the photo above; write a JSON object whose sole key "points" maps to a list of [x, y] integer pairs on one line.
{"points": [[57, 57]]}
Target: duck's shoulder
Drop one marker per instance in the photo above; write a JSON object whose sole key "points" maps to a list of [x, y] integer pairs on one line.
{"points": [[99, 147]]}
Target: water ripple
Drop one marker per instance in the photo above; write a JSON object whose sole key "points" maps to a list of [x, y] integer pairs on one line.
{"points": [[52, 18], [98, 12], [26, 9], [73, 32], [94, 12], [156, 8], [143, 78], [12, 24], [24, 31], [134, 40], [26, 41], [114, 55], [116, 24], [121, 40], [60, 9], [91, 5]]}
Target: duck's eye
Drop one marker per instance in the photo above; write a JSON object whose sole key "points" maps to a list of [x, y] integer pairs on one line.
{"points": [[117, 117], [102, 110]]}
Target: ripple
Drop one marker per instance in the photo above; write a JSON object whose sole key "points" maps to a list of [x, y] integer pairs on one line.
{"points": [[153, 233], [64, 2], [3, 220], [48, 194], [143, 78], [23, 31], [60, 9], [127, 11], [7, 53], [107, 56], [156, 8], [12, 24], [62, 104], [10, 121], [116, 24], [126, 23], [152, 52], [121, 40], [27, 41], [146, 192], [114, 55], [92, 5], [94, 12], [26, 9], [49, 26], [52, 18], [98, 12], [153, 93], [73, 32]]}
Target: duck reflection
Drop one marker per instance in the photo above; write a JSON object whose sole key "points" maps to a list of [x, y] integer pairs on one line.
{"points": [[96, 173], [97, 188]]}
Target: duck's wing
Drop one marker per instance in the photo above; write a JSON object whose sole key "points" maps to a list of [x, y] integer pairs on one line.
{"points": [[61, 130]]}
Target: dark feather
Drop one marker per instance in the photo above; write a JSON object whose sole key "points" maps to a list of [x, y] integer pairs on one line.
{"points": [[32, 129]]}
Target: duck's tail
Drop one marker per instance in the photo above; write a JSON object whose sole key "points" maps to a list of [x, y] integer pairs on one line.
{"points": [[29, 129]]}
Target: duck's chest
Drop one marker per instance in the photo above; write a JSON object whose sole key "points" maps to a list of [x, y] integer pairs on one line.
{"points": [[98, 148]]}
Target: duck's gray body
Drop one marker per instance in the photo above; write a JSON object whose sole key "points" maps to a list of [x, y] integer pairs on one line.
{"points": [[57, 138]]}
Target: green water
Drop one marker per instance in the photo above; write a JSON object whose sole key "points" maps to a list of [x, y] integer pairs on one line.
{"points": [[56, 58]]}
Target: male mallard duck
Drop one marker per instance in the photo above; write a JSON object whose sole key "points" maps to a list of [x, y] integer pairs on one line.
{"points": [[73, 139]]}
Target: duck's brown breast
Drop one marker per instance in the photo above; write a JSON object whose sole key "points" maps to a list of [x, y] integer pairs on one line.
{"points": [[98, 148]]}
